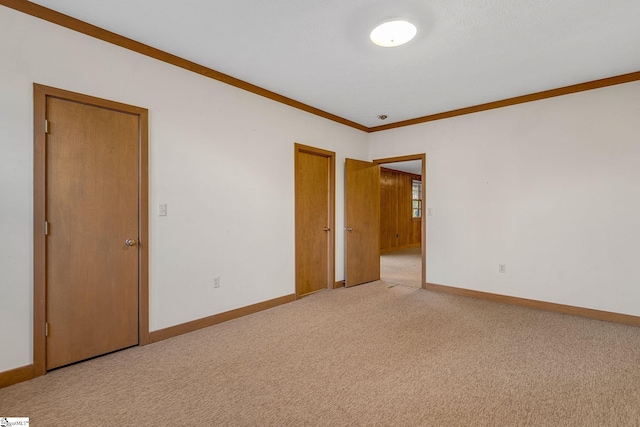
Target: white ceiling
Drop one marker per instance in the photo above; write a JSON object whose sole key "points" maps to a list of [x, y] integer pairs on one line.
{"points": [[318, 52]]}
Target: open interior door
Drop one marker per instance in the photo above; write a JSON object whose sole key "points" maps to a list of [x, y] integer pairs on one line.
{"points": [[362, 222]]}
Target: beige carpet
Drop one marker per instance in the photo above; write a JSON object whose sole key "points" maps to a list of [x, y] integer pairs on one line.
{"points": [[368, 355], [402, 267]]}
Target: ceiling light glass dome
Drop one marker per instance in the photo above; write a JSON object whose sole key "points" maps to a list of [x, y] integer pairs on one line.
{"points": [[393, 33]]}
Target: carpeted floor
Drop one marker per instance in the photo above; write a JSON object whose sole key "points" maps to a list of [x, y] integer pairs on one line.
{"points": [[402, 267], [362, 356]]}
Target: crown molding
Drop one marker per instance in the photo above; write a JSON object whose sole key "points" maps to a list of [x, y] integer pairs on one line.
{"points": [[74, 24], [566, 90]]}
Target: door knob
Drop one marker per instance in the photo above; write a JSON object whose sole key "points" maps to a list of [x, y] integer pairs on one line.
{"points": [[130, 242], [326, 228], [349, 229]]}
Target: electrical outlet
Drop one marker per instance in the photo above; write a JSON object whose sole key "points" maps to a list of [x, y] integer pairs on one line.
{"points": [[502, 268], [162, 209], [216, 282]]}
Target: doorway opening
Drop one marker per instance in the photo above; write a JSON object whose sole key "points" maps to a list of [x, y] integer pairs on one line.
{"points": [[402, 220]]}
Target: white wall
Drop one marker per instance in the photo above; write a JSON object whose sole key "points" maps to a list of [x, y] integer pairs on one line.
{"points": [[221, 158], [549, 188]]}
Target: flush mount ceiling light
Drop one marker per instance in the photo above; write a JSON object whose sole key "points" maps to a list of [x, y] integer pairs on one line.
{"points": [[393, 33]]}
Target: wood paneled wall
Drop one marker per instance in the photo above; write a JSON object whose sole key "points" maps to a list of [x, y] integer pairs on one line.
{"points": [[397, 229]]}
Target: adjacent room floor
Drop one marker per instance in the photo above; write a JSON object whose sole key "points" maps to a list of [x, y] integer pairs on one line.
{"points": [[402, 267]]}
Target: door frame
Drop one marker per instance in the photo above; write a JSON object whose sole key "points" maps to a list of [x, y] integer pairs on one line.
{"points": [[331, 250], [423, 220], [40, 94]]}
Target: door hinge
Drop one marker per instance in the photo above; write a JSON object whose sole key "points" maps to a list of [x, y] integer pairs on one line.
{"points": [[46, 228], [46, 329], [46, 126]]}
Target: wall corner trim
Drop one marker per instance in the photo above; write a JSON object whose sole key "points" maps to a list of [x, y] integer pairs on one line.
{"points": [[183, 328], [17, 375], [605, 316]]}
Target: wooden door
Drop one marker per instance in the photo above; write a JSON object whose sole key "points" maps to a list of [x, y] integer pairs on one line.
{"points": [[92, 208], [314, 219], [362, 222]]}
